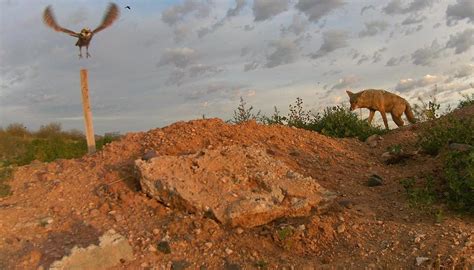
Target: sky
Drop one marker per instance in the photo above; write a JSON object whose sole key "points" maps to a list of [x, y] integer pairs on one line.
{"points": [[165, 61]]}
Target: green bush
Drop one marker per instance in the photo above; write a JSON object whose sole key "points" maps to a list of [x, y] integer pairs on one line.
{"points": [[339, 122], [242, 114], [447, 130], [459, 176], [467, 101], [275, 119]]}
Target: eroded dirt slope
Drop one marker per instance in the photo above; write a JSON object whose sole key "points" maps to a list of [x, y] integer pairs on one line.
{"points": [[56, 206]]}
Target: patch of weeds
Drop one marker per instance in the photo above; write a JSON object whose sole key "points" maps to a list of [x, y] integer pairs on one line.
{"points": [[439, 215], [466, 101], [395, 149], [5, 174], [261, 264], [459, 177], [275, 119], [284, 233], [298, 117], [448, 130], [427, 110], [339, 122], [419, 196], [243, 114]]}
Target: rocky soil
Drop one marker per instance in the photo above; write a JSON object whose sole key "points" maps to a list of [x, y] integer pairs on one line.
{"points": [[60, 212]]}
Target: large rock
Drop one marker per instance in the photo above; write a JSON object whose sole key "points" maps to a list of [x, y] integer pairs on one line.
{"points": [[239, 186], [113, 248]]}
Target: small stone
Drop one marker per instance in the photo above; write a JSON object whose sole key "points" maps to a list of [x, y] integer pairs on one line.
{"points": [[373, 140], [149, 155], [208, 244], [341, 228], [144, 265], [239, 230], [231, 266], [164, 246], [302, 227], [152, 248], [156, 231], [228, 251], [421, 260], [346, 203], [179, 265], [374, 180]]}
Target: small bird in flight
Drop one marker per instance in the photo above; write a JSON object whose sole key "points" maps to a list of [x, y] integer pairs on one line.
{"points": [[85, 36], [127, 7]]}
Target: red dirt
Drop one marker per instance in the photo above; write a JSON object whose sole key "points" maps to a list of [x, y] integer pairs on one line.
{"points": [[67, 203]]}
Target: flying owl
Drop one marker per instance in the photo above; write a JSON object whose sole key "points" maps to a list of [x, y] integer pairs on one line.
{"points": [[85, 36]]}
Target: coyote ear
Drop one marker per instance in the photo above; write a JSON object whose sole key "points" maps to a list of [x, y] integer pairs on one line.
{"points": [[349, 93]]}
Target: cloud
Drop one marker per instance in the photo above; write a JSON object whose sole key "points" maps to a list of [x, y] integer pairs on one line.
{"points": [[298, 25], [413, 19], [463, 9], [377, 56], [464, 71], [410, 84], [332, 40], [218, 90], [177, 13], [346, 82], [201, 69], [373, 28], [425, 56], [232, 12], [317, 9], [394, 61], [286, 52], [365, 8], [363, 58], [264, 9], [239, 5], [396, 6], [179, 57], [251, 66], [181, 32], [461, 41]]}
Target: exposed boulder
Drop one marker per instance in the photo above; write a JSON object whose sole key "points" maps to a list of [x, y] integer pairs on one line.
{"points": [[238, 186]]}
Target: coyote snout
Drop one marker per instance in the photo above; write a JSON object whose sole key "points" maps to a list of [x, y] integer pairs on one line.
{"points": [[382, 101]]}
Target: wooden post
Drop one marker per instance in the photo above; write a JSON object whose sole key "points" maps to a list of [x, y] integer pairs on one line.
{"points": [[86, 107]]}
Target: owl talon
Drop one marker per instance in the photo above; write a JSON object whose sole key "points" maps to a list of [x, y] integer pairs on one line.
{"points": [[88, 55]]}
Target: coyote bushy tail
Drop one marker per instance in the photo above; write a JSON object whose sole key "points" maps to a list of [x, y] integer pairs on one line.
{"points": [[409, 114]]}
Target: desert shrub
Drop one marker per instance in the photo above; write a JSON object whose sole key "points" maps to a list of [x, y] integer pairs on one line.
{"points": [[19, 146], [466, 101], [447, 130], [459, 180], [338, 121], [242, 114], [420, 195], [5, 174], [49, 130], [275, 119], [429, 110], [298, 117], [17, 130]]}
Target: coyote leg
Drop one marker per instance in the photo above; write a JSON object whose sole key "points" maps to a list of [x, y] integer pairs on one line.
{"points": [[371, 116], [384, 117]]}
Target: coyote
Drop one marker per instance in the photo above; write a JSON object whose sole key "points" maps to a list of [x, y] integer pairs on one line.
{"points": [[382, 101]]}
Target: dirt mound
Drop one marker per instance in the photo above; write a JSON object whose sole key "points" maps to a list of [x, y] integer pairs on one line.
{"points": [[367, 227]]}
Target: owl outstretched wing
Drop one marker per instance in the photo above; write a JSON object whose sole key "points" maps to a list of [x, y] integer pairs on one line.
{"points": [[49, 20], [110, 16]]}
